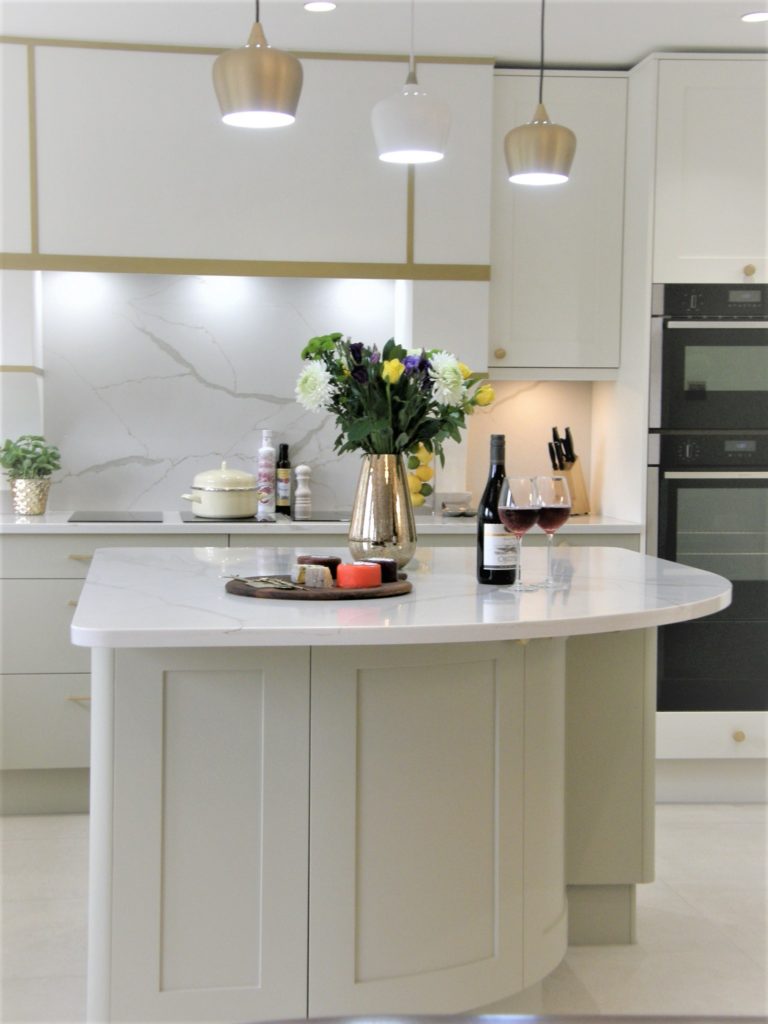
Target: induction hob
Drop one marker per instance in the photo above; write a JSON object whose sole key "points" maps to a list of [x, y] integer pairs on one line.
{"points": [[100, 516]]}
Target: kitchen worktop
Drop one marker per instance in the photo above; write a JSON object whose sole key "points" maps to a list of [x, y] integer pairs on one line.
{"points": [[55, 522], [175, 597]]}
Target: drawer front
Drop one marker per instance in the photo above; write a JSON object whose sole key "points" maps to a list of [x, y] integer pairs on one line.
{"points": [[67, 556], [36, 616], [708, 734], [45, 721]]}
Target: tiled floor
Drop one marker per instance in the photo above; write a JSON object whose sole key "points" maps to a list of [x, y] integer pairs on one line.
{"points": [[701, 925]]}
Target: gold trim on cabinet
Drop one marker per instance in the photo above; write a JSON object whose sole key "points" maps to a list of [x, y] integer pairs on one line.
{"points": [[93, 44], [34, 215], [19, 368], [246, 268]]}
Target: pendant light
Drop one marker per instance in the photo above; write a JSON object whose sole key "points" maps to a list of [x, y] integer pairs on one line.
{"points": [[411, 127], [540, 152], [256, 85]]}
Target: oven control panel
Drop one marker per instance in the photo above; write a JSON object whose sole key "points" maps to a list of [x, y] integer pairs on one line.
{"points": [[712, 301], [724, 451]]}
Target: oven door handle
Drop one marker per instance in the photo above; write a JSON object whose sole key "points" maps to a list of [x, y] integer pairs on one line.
{"points": [[729, 325], [716, 475]]}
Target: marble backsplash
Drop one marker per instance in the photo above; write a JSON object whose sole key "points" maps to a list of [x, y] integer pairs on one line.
{"points": [[151, 379]]}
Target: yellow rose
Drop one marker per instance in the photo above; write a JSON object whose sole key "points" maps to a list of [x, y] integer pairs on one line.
{"points": [[392, 370], [465, 370], [484, 395]]}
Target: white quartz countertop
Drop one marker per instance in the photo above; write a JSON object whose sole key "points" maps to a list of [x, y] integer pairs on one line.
{"points": [[175, 597], [57, 523]]}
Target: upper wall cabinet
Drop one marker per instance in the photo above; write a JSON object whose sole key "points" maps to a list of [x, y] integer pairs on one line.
{"points": [[15, 167], [711, 214], [556, 252], [134, 161]]}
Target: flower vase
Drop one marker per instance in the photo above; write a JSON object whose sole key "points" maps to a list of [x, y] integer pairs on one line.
{"points": [[382, 524]]}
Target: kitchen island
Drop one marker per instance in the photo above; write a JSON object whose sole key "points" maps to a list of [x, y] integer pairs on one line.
{"points": [[348, 807]]}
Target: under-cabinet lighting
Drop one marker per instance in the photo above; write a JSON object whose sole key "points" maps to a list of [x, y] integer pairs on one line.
{"points": [[755, 16]]}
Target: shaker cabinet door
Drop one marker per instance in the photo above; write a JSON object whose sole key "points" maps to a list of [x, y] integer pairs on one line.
{"points": [[556, 251], [711, 211]]}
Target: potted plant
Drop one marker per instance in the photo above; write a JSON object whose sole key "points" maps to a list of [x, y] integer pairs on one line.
{"points": [[28, 463]]}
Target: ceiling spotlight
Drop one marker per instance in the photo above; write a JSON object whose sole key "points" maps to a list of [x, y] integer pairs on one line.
{"points": [[256, 85], [319, 6], [540, 152]]}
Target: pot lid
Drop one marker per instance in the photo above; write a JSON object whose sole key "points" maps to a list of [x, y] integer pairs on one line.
{"points": [[224, 479]]}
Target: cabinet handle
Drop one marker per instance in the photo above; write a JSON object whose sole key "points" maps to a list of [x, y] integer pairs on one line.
{"points": [[80, 700], [750, 270], [739, 736], [81, 558], [500, 353], [72, 604]]}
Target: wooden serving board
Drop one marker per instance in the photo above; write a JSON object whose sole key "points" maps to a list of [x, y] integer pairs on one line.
{"points": [[245, 589]]}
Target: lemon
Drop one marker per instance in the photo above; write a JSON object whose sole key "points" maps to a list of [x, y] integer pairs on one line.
{"points": [[424, 473], [423, 456], [414, 484], [417, 499]]}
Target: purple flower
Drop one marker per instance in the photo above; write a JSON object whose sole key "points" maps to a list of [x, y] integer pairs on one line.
{"points": [[356, 351], [411, 363], [375, 355], [360, 374]]}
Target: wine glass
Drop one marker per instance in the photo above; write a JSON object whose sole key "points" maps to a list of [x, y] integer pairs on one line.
{"points": [[518, 512], [555, 499]]}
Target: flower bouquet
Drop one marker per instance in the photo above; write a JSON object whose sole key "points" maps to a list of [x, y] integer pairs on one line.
{"points": [[389, 401]]}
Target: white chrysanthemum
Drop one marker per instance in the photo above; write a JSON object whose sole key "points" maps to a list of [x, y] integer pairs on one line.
{"points": [[313, 388], [448, 383]]}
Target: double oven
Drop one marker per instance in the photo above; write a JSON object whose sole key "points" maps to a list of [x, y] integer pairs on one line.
{"points": [[708, 486]]}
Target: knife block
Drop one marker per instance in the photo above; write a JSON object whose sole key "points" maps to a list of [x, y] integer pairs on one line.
{"points": [[577, 487]]}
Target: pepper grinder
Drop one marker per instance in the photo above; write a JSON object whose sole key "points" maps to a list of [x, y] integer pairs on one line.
{"points": [[302, 497]]}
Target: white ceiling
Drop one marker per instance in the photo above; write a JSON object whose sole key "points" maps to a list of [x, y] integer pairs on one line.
{"points": [[579, 33]]}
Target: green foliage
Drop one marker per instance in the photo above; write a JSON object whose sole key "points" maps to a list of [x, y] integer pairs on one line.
{"points": [[29, 457]]}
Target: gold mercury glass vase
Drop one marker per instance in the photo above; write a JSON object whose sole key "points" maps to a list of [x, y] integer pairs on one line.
{"points": [[30, 497], [382, 524]]}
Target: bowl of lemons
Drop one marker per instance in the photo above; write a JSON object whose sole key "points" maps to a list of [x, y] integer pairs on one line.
{"points": [[421, 480]]}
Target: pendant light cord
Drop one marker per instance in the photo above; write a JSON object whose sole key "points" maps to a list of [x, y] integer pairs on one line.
{"points": [[541, 64], [257, 10], [412, 57]]}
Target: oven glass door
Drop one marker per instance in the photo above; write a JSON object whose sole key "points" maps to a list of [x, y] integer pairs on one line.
{"points": [[717, 521], [714, 375]]}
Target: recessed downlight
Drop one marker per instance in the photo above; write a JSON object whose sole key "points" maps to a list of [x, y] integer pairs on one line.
{"points": [[755, 16], [319, 6]]}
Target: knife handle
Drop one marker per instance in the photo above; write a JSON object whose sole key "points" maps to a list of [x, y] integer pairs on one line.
{"points": [[553, 456]]}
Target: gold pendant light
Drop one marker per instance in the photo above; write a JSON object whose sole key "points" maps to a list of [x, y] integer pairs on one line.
{"points": [[540, 152], [256, 85]]}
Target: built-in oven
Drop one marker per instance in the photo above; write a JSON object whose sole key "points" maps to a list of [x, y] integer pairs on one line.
{"points": [[708, 487]]}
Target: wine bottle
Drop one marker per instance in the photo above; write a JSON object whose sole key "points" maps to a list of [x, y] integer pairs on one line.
{"points": [[495, 547], [283, 481]]}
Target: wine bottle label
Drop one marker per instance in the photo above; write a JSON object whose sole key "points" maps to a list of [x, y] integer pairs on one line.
{"points": [[283, 486], [499, 548]]}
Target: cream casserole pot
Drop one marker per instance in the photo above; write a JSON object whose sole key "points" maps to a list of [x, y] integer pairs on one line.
{"points": [[224, 494]]}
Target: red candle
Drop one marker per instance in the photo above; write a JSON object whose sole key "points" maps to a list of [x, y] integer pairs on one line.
{"points": [[358, 574]]}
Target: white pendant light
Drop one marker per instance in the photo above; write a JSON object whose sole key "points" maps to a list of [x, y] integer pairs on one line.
{"points": [[540, 152], [256, 85], [411, 127]]}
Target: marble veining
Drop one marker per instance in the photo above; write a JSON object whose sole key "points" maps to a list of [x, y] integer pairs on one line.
{"points": [[175, 597], [151, 379]]}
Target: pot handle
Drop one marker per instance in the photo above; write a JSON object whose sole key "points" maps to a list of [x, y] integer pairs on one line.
{"points": [[191, 497]]}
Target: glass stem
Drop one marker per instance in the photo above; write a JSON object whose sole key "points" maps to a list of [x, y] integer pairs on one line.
{"points": [[550, 545], [519, 543]]}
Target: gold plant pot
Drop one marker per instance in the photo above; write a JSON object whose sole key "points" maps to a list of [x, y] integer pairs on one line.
{"points": [[30, 496], [382, 524]]}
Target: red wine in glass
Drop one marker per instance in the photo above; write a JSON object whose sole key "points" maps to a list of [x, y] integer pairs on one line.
{"points": [[518, 511], [555, 508]]}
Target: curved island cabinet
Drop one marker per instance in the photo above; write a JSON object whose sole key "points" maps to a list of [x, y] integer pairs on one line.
{"points": [[348, 807]]}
